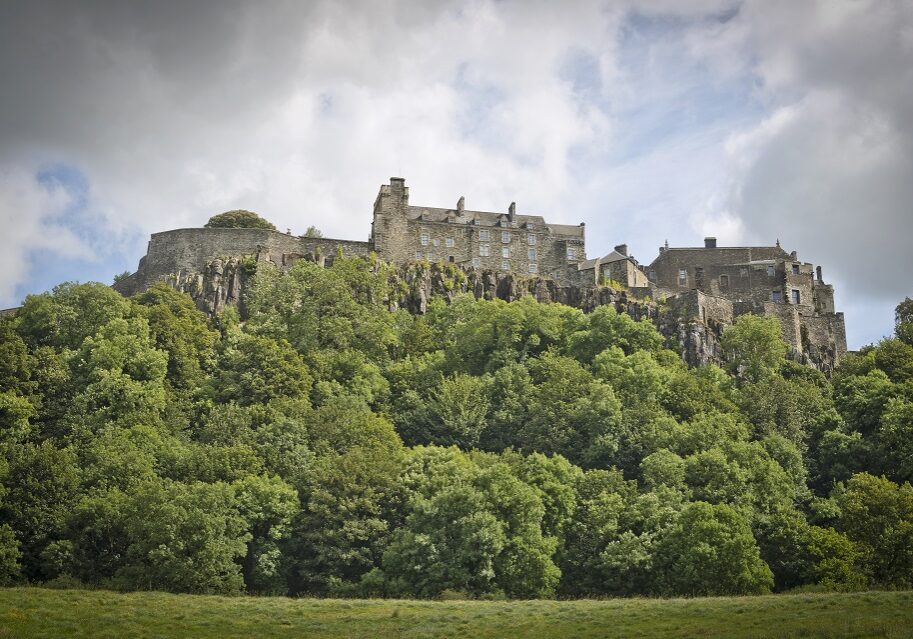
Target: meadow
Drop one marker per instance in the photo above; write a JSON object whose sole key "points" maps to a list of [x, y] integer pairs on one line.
{"points": [[37, 612]]}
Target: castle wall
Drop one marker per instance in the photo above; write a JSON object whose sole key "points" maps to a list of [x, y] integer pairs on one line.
{"points": [[172, 253]]}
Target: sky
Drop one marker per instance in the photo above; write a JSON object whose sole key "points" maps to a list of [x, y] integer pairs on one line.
{"points": [[750, 121]]}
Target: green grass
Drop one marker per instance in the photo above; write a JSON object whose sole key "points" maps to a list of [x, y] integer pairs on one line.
{"points": [[36, 612]]}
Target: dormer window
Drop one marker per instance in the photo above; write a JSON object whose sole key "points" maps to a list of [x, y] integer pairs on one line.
{"points": [[795, 269]]}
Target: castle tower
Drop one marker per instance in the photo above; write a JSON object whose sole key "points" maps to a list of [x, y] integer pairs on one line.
{"points": [[389, 227]]}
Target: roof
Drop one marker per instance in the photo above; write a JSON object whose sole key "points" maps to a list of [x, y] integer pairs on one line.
{"points": [[489, 218], [614, 256], [744, 253]]}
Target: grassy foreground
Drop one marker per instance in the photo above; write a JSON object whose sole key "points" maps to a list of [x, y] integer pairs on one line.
{"points": [[36, 612]]}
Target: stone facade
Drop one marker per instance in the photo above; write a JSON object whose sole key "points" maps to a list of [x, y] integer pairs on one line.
{"points": [[507, 255], [717, 284], [502, 242]]}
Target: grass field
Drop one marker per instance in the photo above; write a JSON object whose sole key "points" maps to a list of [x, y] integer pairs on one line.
{"points": [[36, 612]]}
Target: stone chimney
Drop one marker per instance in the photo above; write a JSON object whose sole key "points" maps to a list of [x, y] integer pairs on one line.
{"points": [[818, 273], [709, 242], [512, 210], [461, 204], [622, 248]]}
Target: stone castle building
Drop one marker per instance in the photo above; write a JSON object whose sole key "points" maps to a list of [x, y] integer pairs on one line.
{"points": [[708, 287]]}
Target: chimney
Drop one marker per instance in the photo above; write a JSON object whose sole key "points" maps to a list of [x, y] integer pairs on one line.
{"points": [[512, 210], [461, 204], [623, 249], [397, 183], [818, 273], [709, 242]]}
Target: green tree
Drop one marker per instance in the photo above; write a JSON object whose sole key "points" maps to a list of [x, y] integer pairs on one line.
{"points": [[9, 556], [904, 321], [41, 485], [238, 219], [253, 370], [877, 515], [754, 347], [710, 551], [69, 314]]}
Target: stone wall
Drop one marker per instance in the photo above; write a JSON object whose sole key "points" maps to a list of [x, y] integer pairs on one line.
{"points": [[183, 254]]}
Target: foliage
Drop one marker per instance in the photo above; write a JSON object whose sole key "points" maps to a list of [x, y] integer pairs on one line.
{"points": [[238, 219], [322, 443]]}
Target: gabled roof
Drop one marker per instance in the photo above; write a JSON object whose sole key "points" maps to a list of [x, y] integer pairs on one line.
{"points": [[614, 256], [490, 219]]}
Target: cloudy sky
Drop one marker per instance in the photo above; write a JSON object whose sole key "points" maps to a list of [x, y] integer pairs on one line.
{"points": [[649, 121]]}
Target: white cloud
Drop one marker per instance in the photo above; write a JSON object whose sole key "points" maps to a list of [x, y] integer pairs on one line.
{"points": [[30, 217]]}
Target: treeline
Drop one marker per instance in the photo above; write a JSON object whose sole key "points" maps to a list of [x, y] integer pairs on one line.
{"points": [[329, 446]]}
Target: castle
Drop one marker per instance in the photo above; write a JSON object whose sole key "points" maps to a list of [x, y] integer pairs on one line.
{"points": [[708, 287]]}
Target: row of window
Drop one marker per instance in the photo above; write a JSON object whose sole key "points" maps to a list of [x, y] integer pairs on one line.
{"points": [[485, 251], [724, 279], [484, 236]]}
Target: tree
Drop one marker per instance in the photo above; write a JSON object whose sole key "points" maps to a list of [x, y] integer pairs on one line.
{"points": [[9, 556], [313, 231], [754, 347], [41, 485], [183, 538], [877, 515], [456, 411], [238, 219], [904, 321], [253, 370], [710, 551]]}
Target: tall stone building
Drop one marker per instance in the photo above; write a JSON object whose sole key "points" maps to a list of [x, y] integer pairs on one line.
{"points": [[717, 284], [501, 242]]}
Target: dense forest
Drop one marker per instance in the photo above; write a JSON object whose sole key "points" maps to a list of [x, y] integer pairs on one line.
{"points": [[326, 445]]}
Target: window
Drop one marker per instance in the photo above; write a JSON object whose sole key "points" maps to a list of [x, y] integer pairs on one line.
{"points": [[425, 239], [505, 265], [795, 269], [770, 270], [531, 240], [572, 252], [429, 257], [796, 296], [652, 275], [743, 272], [531, 254], [483, 250], [448, 242], [476, 262], [776, 296], [530, 226], [484, 235], [418, 255], [435, 242], [505, 237], [505, 252], [724, 281], [682, 277], [533, 268]]}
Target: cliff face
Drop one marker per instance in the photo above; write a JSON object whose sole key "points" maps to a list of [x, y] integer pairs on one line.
{"points": [[221, 282]]}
